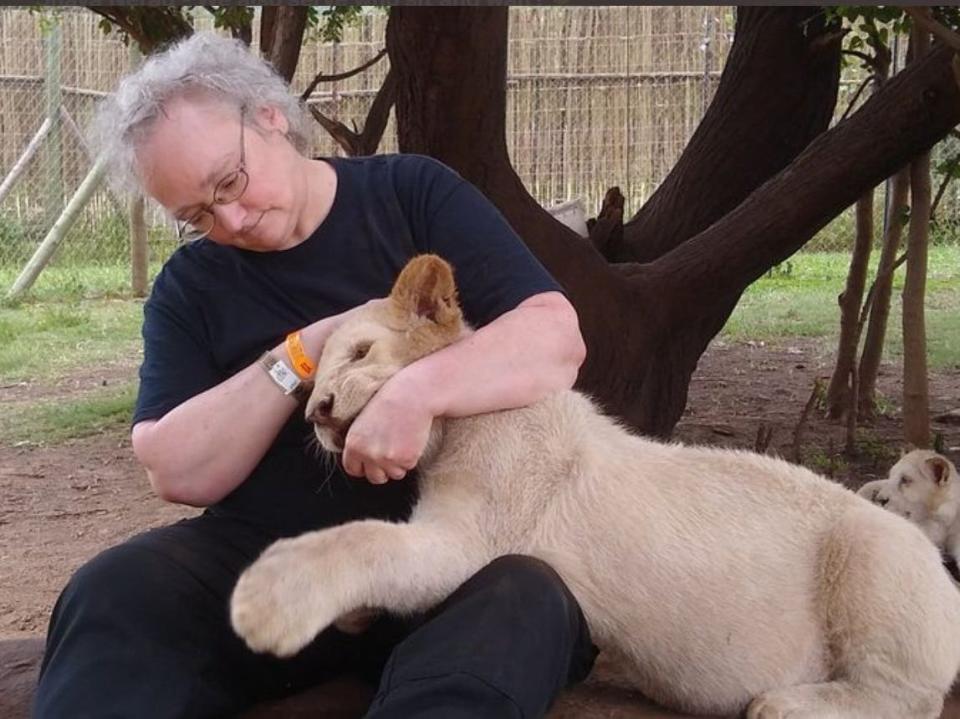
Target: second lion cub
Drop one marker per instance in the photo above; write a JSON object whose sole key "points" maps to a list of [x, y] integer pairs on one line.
{"points": [[727, 580], [923, 487]]}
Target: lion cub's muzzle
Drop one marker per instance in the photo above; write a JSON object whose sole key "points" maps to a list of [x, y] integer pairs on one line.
{"points": [[326, 426]]}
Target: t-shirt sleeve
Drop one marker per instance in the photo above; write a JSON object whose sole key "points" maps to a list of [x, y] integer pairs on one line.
{"points": [[176, 362], [494, 269]]}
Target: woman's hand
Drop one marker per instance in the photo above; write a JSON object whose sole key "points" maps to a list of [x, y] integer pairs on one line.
{"points": [[388, 437]]}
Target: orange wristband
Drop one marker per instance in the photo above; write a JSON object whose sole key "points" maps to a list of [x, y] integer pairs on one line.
{"points": [[301, 363]]}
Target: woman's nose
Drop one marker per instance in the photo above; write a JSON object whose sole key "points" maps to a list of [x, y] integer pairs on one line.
{"points": [[229, 217]]}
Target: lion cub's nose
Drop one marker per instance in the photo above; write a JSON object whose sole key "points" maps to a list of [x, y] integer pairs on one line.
{"points": [[321, 413]]}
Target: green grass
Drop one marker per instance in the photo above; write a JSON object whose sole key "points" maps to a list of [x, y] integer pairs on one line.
{"points": [[53, 421], [46, 340], [799, 299], [74, 281], [67, 325]]}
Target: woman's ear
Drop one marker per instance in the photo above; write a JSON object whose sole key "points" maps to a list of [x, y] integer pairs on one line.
{"points": [[270, 118]]}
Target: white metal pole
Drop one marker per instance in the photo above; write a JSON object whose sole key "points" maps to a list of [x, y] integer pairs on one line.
{"points": [[59, 230], [21, 164]]}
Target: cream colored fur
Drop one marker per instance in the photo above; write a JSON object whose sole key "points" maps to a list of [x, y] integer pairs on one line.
{"points": [[923, 487], [726, 580]]}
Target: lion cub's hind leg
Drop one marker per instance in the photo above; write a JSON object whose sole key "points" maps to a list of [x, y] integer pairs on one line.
{"points": [[837, 700], [893, 624]]}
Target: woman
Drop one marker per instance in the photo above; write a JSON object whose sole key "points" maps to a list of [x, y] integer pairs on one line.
{"points": [[278, 248]]}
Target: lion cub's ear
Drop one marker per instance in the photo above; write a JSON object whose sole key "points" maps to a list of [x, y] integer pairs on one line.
{"points": [[425, 288], [941, 468]]}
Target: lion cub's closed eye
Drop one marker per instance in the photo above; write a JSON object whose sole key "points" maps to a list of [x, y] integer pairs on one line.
{"points": [[360, 351]]}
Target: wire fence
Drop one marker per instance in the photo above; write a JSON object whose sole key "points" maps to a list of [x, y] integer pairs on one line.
{"points": [[55, 69], [597, 96]]}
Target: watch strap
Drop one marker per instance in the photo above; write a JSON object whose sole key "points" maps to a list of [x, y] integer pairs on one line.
{"points": [[302, 364], [283, 376]]}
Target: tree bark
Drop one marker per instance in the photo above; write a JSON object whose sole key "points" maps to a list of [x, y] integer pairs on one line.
{"points": [[883, 287], [647, 324], [268, 17], [916, 400], [839, 390], [287, 27]]}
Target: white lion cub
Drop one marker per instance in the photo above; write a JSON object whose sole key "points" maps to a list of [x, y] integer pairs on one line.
{"points": [[726, 580], [924, 487]]}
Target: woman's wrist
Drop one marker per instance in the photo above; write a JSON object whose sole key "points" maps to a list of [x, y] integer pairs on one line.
{"points": [[313, 337]]}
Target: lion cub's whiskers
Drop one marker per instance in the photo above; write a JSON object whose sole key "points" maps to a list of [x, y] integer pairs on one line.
{"points": [[328, 461]]}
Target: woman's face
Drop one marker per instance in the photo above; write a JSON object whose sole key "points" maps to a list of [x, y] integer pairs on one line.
{"points": [[196, 146]]}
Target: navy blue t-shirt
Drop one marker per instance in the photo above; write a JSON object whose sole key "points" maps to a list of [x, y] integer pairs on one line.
{"points": [[215, 309]]}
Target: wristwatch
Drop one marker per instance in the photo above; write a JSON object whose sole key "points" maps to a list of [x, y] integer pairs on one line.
{"points": [[284, 377]]}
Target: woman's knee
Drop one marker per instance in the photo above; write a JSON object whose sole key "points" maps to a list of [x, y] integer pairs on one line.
{"points": [[541, 605], [148, 578], [535, 582], [123, 577]]}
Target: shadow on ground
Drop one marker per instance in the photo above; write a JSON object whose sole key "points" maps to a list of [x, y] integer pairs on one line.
{"points": [[601, 696]]}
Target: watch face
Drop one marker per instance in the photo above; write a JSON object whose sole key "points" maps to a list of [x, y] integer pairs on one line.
{"points": [[278, 370]]}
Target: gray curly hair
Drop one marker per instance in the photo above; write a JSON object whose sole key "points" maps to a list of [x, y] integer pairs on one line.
{"points": [[204, 63]]}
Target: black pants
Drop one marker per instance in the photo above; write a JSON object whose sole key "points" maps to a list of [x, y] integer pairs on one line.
{"points": [[143, 631]]}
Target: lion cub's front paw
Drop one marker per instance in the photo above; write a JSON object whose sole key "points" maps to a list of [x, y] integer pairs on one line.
{"points": [[277, 606]]}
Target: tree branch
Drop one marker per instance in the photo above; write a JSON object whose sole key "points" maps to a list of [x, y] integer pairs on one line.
{"points": [[341, 75], [922, 17], [341, 134], [379, 114], [606, 232], [777, 92], [149, 27], [947, 176], [882, 276], [815, 394], [120, 19], [905, 118], [868, 59], [856, 95], [364, 142]]}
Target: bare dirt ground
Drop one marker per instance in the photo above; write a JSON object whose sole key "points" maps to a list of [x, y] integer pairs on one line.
{"points": [[60, 505]]}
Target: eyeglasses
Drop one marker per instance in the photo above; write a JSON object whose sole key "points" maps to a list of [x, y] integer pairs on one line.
{"points": [[228, 190]]}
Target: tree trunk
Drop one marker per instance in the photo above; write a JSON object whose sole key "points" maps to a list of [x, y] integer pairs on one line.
{"points": [[839, 391], [454, 110], [647, 324], [916, 400], [843, 391], [268, 17], [287, 25], [883, 287]]}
